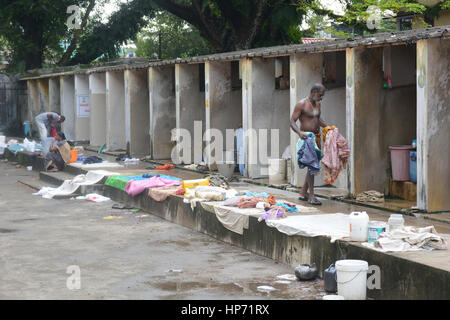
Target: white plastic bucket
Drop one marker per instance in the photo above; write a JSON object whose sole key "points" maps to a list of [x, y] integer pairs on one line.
{"points": [[352, 279], [359, 222], [277, 170], [333, 297]]}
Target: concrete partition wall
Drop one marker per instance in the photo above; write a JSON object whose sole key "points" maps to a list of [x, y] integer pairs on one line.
{"points": [[433, 123], [54, 96], [190, 107], [267, 112], [82, 107], [43, 91], [137, 112], [305, 70], [67, 92], [223, 106], [33, 100], [97, 99], [162, 110], [115, 111]]}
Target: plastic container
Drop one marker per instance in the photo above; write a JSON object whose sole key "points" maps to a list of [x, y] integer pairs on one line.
{"points": [[190, 184], [352, 279], [396, 221], [359, 222], [329, 278], [400, 162], [333, 297], [277, 170], [27, 128], [413, 166], [73, 156], [375, 229]]}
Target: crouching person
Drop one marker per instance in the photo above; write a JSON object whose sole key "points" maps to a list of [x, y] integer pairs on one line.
{"points": [[58, 155]]}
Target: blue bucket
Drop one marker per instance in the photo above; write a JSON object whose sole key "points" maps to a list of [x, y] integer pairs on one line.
{"points": [[413, 166]]}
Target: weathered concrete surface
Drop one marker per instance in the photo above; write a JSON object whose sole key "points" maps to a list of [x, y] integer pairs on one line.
{"points": [[54, 95], [433, 121], [126, 258], [115, 111], [223, 109], [82, 122], [190, 109], [97, 99], [162, 110], [67, 92], [137, 112]]}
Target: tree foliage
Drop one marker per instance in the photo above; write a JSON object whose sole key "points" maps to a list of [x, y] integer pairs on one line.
{"points": [[241, 24], [168, 37]]}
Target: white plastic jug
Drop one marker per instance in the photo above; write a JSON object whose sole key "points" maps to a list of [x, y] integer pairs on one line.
{"points": [[359, 223]]}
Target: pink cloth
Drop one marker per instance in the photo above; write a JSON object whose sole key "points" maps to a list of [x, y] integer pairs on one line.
{"points": [[136, 187], [335, 155]]}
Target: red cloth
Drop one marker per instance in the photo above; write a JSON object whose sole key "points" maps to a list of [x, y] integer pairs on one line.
{"points": [[335, 155], [52, 132]]}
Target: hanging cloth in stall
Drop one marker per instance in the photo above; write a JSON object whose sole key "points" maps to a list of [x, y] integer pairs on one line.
{"points": [[336, 154]]}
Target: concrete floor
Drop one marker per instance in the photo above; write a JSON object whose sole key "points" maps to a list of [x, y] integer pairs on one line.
{"points": [[125, 258]]}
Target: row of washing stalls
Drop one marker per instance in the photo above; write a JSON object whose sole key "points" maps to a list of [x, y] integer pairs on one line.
{"points": [[137, 109]]}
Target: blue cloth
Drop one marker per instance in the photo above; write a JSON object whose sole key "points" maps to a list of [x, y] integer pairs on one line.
{"points": [[289, 209], [308, 154], [255, 194]]}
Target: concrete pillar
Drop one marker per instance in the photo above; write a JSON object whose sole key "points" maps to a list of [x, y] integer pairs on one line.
{"points": [[97, 99], [162, 110], [367, 170], [190, 108], [33, 99], [54, 95], [433, 123], [67, 92], [305, 71], [43, 91], [266, 116], [82, 104], [223, 105], [115, 111], [137, 112]]}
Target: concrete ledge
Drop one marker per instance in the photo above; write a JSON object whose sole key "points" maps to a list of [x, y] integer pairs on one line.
{"points": [[400, 278]]}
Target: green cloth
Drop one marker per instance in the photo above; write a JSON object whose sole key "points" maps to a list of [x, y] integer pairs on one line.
{"points": [[117, 182]]}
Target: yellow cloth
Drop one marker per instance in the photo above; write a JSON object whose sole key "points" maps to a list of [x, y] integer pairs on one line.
{"points": [[325, 130], [64, 151]]}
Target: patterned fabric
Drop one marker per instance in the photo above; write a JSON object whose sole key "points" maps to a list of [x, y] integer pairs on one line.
{"points": [[336, 155]]}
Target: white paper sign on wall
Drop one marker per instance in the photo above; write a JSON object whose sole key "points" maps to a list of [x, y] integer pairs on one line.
{"points": [[83, 108]]}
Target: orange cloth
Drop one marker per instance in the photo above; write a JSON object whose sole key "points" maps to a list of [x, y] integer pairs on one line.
{"points": [[165, 167], [271, 200]]}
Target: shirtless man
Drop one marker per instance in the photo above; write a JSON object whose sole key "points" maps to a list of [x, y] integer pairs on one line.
{"points": [[308, 111]]}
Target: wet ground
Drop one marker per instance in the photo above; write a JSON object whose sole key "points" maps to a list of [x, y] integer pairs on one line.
{"points": [[126, 256]]}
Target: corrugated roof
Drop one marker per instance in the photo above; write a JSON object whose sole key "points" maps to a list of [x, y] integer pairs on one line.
{"points": [[380, 39]]}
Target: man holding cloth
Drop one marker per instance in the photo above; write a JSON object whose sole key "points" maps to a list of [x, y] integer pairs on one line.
{"points": [[47, 120]]}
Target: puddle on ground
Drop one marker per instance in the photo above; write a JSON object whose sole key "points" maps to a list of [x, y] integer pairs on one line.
{"points": [[305, 290], [23, 220], [7, 230]]}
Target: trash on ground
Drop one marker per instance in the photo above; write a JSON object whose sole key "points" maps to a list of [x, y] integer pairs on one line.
{"points": [[306, 271], [266, 288], [290, 277]]}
